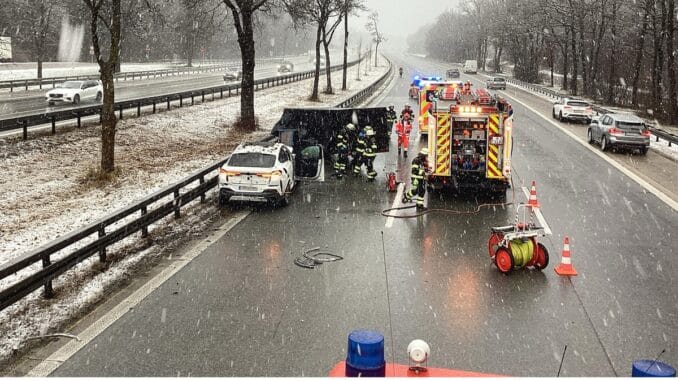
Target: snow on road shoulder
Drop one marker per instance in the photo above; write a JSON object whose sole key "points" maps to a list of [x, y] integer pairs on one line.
{"points": [[44, 195]]}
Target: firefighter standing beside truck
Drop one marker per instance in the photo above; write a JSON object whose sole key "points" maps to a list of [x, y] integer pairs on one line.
{"points": [[391, 118], [418, 180]]}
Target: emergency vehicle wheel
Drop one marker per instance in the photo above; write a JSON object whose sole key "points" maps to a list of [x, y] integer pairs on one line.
{"points": [[503, 259], [542, 257], [493, 243]]}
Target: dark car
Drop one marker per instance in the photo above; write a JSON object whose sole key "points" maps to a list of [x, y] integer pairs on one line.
{"points": [[453, 73], [285, 67], [621, 130]]}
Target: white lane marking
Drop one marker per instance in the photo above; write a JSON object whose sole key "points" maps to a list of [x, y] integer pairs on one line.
{"points": [[649, 187], [396, 204], [540, 217], [50, 364]]}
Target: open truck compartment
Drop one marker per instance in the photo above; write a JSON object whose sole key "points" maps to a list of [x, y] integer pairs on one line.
{"points": [[303, 127]]}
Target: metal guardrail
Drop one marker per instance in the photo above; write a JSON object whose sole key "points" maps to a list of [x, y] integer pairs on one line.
{"points": [[657, 132], [363, 94], [24, 122], [97, 236], [124, 76]]}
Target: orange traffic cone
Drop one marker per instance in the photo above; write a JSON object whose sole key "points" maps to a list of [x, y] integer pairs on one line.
{"points": [[565, 267], [533, 196]]}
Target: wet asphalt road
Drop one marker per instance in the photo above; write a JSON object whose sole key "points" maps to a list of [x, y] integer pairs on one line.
{"points": [[140, 89], [243, 308]]}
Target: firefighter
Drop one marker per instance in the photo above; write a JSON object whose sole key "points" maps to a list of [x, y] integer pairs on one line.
{"points": [[418, 180], [368, 147], [403, 130], [391, 117], [401, 71], [358, 152], [342, 148]]}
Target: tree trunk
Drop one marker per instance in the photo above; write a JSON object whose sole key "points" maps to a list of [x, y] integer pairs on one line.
{"points": [[671, 65], [639, 54], [40, 66], [376, 53], [246, 42], [611, 81], [566, 63], [316, 77], [345, 73], [108, 120], [658, 69], [575, 64], [328, 70]]}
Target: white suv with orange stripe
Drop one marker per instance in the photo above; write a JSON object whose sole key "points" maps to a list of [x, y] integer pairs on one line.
{"points": [[267, 172]]}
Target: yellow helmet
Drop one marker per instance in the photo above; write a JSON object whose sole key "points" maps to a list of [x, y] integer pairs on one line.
{"points": [[350, 127], [424, 152], [369, 131]]}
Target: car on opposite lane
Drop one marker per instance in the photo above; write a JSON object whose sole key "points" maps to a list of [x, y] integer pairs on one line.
{"points": [[75, 92], [268, 172], [622, 130], [232, 74], [496, 83], [569, 109], [285, 67], [453, 73]]}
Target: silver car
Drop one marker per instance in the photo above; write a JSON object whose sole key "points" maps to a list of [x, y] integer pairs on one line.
{"points": [[622, 130]]}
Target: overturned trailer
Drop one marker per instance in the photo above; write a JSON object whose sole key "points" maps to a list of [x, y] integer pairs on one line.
{"points": [[300, 128]]}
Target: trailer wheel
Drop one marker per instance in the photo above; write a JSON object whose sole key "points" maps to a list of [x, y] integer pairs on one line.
{"points": [[503, 259], [542, 257], [493, 243]]}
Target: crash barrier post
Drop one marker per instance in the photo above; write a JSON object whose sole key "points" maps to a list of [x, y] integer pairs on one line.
{"points": [[27, 121]]}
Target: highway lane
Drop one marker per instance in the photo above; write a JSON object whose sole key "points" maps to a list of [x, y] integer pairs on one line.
{"points": [[145, 88], [243, 308]]}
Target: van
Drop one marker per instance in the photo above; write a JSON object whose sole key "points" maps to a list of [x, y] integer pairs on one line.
{"points": [[471, 67]]}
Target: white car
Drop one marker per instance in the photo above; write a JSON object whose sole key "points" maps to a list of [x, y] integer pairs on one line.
{"points": [[573, 109], [75, 92], [268, 172]]}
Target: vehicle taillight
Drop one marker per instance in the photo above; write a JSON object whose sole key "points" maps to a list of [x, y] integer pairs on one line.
{"points": [[646, 133], [269, 174], [228, 173], [615, 131], [568, 107]]}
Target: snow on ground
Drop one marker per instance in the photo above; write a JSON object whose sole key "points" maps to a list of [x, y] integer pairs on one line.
{"points": [[44, 195]]}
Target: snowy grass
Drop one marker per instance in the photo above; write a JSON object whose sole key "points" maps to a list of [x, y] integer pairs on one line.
{"points": [[45, 194]]}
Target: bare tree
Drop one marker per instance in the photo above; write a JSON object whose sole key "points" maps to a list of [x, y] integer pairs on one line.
{"points": [[35, 27], [377, 36], [243, 12], [350, 6], [107, 14]]}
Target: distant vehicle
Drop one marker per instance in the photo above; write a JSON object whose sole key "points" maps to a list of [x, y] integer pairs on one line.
{"points": [[621, 130], [75, 92], [471, 67], [232, 74], [497, 83], [285, 67], [5, 49], [267, 172], [568, 109], [453, 73]]}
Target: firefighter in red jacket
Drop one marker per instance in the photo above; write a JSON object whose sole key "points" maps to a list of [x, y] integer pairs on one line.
{"points": [[403, 130]]}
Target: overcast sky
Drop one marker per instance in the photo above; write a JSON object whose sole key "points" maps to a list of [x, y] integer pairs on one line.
{"points": [[400, 18]]}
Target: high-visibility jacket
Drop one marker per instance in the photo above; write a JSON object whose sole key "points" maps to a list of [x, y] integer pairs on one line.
{"points": [[370, 146], [391, 116], [342, 141], [418, 168]]}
